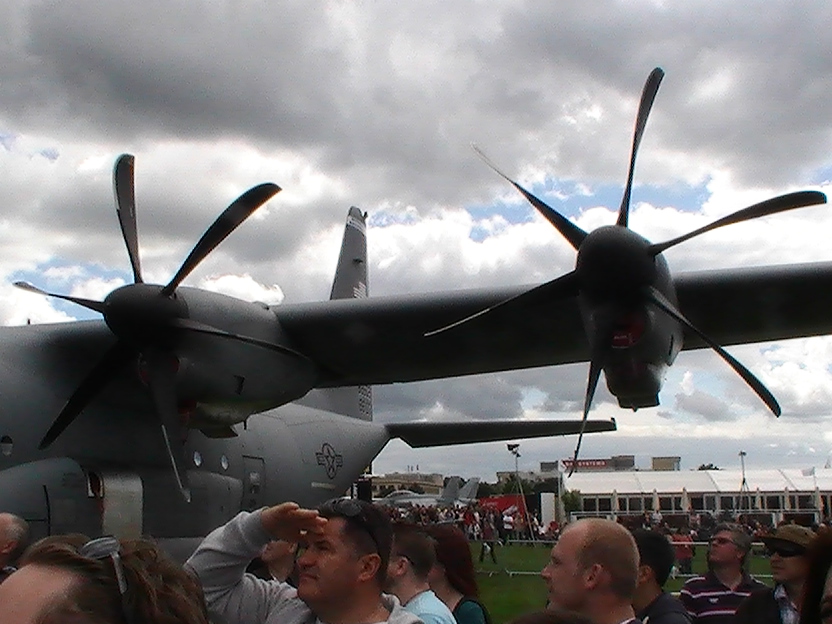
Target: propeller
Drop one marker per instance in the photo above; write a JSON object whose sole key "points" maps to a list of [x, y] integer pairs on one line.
{"points": [[617, 266], [648, 95], [144, 317]]}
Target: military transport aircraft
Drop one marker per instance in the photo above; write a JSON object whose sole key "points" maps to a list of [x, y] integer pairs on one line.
{"points": [[184, 406], [142, 423]]}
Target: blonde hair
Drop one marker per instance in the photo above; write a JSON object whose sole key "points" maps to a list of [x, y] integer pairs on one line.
{"points": [[611, 546]]}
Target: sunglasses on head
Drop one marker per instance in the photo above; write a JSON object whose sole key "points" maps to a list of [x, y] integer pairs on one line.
{"points": [[108, 547], [354, 511], [722, 540], [785, 551]]}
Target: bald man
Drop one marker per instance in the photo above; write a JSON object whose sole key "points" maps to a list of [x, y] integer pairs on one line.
{"points": [[593, 570], [14, 538]]}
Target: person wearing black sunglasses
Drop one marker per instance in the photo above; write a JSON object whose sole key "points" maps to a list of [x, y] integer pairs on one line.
{"points": [[344, 551], [787, 550]]}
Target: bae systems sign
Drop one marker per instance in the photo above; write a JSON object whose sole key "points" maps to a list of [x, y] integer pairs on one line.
{"points": [[587, 464]]}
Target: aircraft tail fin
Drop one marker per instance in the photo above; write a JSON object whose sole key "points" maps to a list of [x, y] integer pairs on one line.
{"points": [[350, 283], [450, 492], [469, 491], [351, 273]]}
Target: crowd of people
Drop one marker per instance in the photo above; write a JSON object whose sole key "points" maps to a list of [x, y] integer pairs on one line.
{"points": [[347, 562]]}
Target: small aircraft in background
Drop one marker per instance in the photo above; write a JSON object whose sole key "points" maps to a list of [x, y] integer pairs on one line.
{"points": [[403, 498], [451, 495], [468, 492]]}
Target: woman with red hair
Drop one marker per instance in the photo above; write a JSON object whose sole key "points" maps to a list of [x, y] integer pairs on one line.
{"points": [[452, 578]]}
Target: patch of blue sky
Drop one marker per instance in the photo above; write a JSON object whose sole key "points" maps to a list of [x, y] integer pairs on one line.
{"points": [[570, 198], [516, 213], [7, 140], [50, 153], [384, 218], [55, 276], [821, 176]]}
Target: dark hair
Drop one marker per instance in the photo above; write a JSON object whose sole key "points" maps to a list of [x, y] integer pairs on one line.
{"points": [[413, 543], [366, 526], [552, 615], [158, 589], [820, 560], [454, 554], [655, 552]]}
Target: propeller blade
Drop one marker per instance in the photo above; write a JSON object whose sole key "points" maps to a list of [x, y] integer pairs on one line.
{"points": [[125, 193], [564, 286], [98, 306], [227, 222], [648, 95], [661, 302], [202, 328], [591, 385], [789, 201], [161, 369], [571, 232], [107, 368]]}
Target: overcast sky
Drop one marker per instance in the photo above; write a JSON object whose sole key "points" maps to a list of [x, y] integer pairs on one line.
{"points": [[375, 104]]}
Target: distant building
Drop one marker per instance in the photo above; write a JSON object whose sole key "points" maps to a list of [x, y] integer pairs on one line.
{"points": [[666, 463], [507, 475], [771, 495], [616, 463], [549, 466]]}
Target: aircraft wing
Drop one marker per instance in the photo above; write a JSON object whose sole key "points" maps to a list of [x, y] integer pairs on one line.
{"points": [[425, 433], [381, 340]]}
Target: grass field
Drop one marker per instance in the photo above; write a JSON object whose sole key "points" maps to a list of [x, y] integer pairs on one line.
{"points": [[513, 586]]}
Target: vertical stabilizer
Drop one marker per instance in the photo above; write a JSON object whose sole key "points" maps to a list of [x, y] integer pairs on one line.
{"points": [[450, 493], [351, 272], [469, 492], [350, 283]]}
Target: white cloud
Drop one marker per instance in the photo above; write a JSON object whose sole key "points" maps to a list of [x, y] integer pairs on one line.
{"points": [[243, 287]]}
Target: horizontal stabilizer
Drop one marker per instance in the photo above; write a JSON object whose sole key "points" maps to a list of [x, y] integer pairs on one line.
{"points": [[425, 433]]}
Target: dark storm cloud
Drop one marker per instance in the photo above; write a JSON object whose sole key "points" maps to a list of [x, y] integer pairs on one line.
{"points": [[388, 96], [197, 69], [756, 103]]}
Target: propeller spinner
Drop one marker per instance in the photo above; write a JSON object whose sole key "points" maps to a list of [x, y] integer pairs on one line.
{"points": [[144, 317], [619, 269]]}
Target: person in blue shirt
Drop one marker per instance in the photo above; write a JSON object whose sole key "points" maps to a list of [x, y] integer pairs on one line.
{"points": [[411, 560]]}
